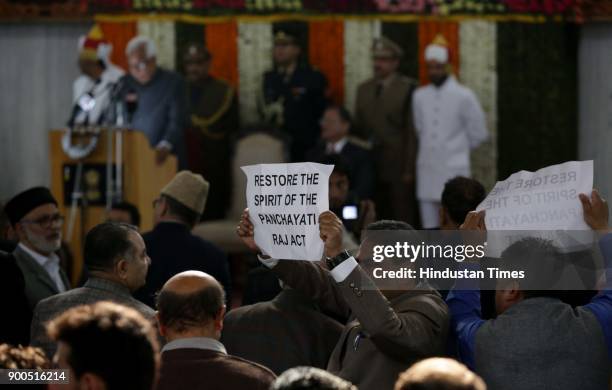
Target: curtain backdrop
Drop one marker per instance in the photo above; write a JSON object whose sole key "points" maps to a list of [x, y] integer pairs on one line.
{"points": [[595, 102], [39, 64]]}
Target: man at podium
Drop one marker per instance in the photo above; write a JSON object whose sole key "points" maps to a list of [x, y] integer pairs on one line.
{"points": [[155, 100]]}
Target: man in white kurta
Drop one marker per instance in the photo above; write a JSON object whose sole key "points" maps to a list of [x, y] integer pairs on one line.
{"points": [[93, 89], [449, 123]]}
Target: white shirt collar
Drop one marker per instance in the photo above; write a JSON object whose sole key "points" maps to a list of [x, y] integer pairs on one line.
{"points": [[51, 264], [197, 343], [42, 260], [338, 146]]}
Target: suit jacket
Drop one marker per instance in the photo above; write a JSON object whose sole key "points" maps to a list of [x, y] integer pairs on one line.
{"points": [[94, 290], [191, 368], [381, 338], [14, 302], [161, 109], [359, 162], [38, 283], [173, 249], [286, 332], [387, 121]]}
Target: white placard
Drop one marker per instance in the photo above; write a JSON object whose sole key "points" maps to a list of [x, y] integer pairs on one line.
{"points": [[284, 202], [546, 199]]}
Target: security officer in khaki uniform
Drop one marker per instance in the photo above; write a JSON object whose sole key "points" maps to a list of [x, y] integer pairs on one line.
{"points": [[383, 115], [213, 114]]}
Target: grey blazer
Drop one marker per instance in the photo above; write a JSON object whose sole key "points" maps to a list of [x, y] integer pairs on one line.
{"points": [[38, 283], [94, 290]]}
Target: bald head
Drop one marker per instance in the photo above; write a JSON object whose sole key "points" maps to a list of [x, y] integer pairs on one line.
{"points": [[190, 301], [190, 282], [439, 374]]}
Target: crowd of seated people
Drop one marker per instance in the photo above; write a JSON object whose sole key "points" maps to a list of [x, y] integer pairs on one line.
{"points": [[329, 327]]}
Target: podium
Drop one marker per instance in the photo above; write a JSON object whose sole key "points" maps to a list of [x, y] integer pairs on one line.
{"points": [[127, 153]]}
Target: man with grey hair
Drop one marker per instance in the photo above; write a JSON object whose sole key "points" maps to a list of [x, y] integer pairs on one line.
{"points": [[35, 219], [154, 100]]}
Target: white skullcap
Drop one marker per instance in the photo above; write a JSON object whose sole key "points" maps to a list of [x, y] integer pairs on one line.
{"points": [[437, 53]]}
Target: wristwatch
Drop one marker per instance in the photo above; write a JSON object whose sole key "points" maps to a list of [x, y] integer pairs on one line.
{"points": [[333, 262]]}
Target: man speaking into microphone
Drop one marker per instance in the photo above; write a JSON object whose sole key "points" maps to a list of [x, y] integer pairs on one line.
{"points": [[155, 99]]}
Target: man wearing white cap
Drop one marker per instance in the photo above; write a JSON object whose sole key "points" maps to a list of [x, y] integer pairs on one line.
{"points": [[171, 245], [93, 88], [449, 122]]}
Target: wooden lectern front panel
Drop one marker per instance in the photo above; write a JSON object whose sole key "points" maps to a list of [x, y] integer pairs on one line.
{"points": [[142, 181]]}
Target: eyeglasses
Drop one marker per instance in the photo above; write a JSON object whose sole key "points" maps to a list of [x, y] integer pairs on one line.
{"points": [[47, 221], [139, 66]]}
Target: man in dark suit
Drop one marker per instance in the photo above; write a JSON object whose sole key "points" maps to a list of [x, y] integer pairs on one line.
{"points": [[158, 96], [190, 315], [335, 129], [298, 90], [14, 303], [387, 330], [285, 332], [172, 246], [38, 225], [8, 240], [116, 257], [383, 115]]}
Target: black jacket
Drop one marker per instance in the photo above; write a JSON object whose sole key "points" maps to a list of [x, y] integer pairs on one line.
{"points": [[359, 162], [173, 249], [15, 328]]}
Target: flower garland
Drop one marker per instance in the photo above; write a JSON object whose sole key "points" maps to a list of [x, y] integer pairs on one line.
{"points": [[358, 40], [478, 59], [163, 34], [254, 58], [273, 5]]}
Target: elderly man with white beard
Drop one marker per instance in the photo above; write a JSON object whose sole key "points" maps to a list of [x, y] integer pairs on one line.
{"points": [[38, 224]]}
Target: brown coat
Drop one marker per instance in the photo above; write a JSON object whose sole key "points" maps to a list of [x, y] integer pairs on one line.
{"points": [[285, 332], [387, 120], [381, 338], [213, 115], [191, 368]]}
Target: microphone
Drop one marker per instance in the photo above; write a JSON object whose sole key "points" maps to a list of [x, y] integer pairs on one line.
{"points": [[84, 103]]}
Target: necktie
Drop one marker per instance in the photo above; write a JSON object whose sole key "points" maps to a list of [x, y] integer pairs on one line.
{"points": [[379, 88]]}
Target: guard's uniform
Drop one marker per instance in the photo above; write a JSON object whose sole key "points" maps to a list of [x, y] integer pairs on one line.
{"points": [[213, 114], [302, 95]]}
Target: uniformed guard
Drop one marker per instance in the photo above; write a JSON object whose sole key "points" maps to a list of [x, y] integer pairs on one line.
{"points": [[449, 122], [383, 115], [213, 114], [299, 90]]}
